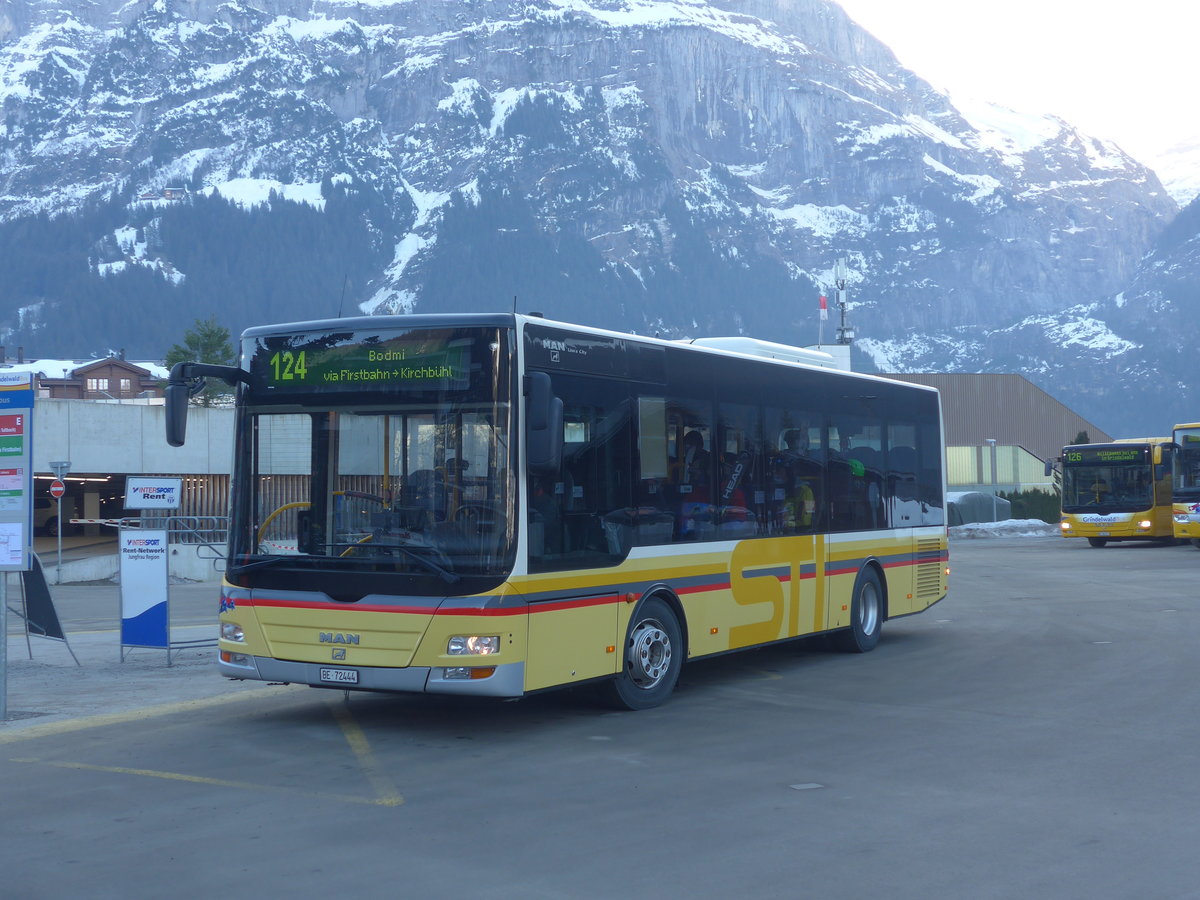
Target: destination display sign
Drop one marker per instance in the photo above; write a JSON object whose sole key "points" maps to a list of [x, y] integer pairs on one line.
{"points": [[320, 363], [1104, 456]]}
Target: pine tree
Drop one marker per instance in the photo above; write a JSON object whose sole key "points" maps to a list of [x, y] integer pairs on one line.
{"points": [[205, 342]]}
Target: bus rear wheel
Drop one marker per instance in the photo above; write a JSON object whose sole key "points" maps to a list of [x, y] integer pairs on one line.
{"points": [[1097, 542], [652, 659], [866, 615]]}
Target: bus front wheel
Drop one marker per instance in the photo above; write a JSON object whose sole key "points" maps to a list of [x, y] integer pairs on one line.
{"points": [[866, 615], [652, 660], [1097, 542]]}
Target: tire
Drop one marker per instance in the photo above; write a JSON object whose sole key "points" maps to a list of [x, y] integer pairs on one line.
{"points": [[866, 615], [1097, 542], [50, 529], [652, 660]]}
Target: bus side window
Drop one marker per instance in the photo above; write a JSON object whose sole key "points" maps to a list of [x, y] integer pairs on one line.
{"points": [[649, 522], [692, 470], [930, 461], [575, 514], [738, 463]]}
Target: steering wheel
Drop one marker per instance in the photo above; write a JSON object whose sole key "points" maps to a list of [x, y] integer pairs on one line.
{"points": [[480, 518]]}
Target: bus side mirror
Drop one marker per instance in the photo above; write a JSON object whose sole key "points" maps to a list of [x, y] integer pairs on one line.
{"points": [[1049, 467], [177, 410], [543, 425], [186, 380]]}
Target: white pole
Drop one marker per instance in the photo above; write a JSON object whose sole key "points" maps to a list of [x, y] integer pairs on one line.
{"points": [[992, 442], [58, 570]]}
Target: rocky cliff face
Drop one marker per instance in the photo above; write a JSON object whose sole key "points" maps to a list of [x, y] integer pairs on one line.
{"points": [[680, 166]]}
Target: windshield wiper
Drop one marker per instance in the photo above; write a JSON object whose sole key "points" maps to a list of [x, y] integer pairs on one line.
{"points": [[441, 571], [445, 574], [264, 561]]}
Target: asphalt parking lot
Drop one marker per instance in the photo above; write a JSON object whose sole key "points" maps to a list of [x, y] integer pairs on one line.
{"points": [[1033, 735]]}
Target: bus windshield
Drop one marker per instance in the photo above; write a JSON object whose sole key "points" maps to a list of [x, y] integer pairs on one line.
{"points": [[413, 479], [1187, 464], [1108, 487]]}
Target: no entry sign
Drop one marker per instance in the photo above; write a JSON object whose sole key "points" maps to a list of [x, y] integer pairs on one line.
{"points": [[57, 489]]}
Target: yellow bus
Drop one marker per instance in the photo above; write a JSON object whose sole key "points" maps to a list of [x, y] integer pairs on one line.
{"points": [[498, 505], [1185, 485], [1119, 491]]}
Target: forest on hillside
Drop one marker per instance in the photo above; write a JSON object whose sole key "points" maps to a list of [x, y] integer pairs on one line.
{"points": [[65, 294]]}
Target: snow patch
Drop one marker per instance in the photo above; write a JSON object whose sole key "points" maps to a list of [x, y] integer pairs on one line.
{"points": [[984, 185], [740, 27], [822, 221], [1010, 528], [251, 192]]}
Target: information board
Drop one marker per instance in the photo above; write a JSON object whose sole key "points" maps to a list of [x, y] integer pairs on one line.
{"points": [[412, 360], [152, 493], [16, 471], [144, 567], [1105, 456]]}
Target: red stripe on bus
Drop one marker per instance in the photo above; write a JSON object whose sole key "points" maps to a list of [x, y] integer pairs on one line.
{"points": [[704, 588], [316, 604]]}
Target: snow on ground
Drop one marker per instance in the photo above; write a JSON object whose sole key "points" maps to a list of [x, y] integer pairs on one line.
{"points": [[1007, 529]]}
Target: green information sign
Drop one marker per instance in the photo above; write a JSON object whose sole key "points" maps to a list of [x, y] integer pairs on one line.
{"points": [[322, 363], [1093, 456]]}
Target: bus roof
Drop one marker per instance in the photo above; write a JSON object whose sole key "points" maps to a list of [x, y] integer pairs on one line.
{"points": [[763, 351]]}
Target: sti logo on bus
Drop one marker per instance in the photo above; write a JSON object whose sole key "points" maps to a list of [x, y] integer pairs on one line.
{"points": [[329, 637]]}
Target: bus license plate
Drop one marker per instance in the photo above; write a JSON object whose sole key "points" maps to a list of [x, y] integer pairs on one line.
{"points": [[340, 676]]}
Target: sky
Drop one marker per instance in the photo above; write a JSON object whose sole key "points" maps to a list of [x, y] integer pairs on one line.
{"points": [[1123, 70]]}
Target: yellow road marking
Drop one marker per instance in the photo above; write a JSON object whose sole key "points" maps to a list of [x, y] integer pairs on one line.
{"points": [[355, 737], [388, 795], [134, 715], [216, 782]]}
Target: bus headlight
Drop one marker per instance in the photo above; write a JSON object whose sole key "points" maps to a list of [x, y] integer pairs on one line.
{"points": [[231, 631], [1145, 524], [473, 645], [1065, 526]]}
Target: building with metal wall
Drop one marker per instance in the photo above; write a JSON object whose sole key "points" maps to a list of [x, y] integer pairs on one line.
{"points": [[1027, 424]]}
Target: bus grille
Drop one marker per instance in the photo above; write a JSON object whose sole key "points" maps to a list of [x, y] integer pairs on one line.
{"points": [[929, 569]]}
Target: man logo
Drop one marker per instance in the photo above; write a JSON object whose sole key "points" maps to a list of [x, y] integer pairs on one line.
{"points": [[333, 637], [339, 653]]}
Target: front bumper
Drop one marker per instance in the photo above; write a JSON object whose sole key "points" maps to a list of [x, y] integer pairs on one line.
{"points": [[507, 681]]}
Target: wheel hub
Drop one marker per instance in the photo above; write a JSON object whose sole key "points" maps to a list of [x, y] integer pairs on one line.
{"points": [[649, 655]]}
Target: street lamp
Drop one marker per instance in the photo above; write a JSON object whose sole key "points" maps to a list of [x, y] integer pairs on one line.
{"points": [[992, 443]]}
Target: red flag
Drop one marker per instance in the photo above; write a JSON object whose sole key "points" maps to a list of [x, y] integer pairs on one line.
{"points": [[824, 309]]}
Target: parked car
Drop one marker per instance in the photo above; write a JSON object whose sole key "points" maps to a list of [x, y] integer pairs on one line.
{"points": [[45, 516]]}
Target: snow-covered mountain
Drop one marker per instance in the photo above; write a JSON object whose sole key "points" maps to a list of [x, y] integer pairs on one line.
{"points": [[672, 166], [1178, 167]]}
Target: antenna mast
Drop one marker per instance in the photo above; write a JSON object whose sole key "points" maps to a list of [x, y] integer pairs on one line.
{"points": [[845, 332]]}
